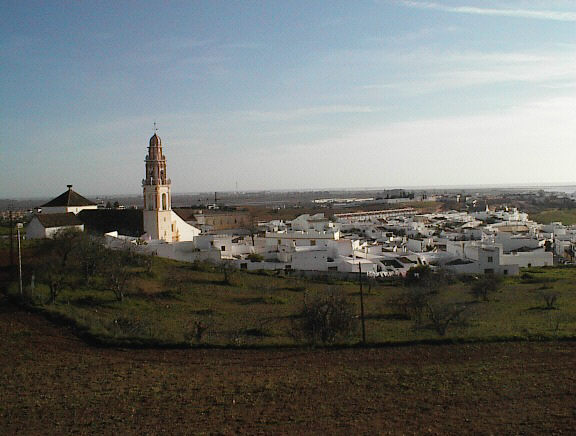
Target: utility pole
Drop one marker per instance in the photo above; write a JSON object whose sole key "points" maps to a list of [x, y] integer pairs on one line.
{"points": [[11, 245], [18, 227], [361, 302]]}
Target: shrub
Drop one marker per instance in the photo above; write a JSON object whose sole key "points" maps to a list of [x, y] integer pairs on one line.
{"points": [[325, 319], [550, 298], [254, 257], [442, 316], [485, 285]]}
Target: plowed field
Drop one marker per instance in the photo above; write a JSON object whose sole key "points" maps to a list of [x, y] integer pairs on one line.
{"points": [[53, 383]]}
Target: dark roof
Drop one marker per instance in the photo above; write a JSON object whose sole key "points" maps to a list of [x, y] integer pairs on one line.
{"points": [[69, 198], [129, 222], [58, 219], [185, 213]]}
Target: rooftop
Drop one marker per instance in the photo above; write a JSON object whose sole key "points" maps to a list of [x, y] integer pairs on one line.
{"points": [[69, 198], [58, 219]]}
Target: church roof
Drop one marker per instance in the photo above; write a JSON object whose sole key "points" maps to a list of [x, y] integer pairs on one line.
{"points": [[58, 219], [69, 198], [129, 222]]}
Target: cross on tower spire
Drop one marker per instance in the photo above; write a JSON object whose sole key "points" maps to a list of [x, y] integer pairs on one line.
{"points": [[155, 128]]}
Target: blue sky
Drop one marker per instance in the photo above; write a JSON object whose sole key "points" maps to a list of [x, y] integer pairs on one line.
{"points": [[286, 95]]}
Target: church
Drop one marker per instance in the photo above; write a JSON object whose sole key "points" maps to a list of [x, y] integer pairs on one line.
{"points": [[160, 221]]}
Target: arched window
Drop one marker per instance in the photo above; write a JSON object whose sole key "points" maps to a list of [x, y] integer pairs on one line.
{"points": [[164, 201]]}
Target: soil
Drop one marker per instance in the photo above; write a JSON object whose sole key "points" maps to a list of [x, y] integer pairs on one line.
{"points": [[53, 383]]}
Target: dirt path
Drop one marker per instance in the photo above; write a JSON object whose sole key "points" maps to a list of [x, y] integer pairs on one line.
{"points": [[53, 383]]}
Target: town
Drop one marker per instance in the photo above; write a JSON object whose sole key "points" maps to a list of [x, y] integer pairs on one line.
{"points": [[288, 217], [377, 243]]}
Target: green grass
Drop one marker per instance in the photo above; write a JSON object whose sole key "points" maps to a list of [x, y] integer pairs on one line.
{"points": [[565, 216], [163, 308]]}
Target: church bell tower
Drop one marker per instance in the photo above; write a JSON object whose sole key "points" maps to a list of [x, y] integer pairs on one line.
{"points": [[157, 198]]}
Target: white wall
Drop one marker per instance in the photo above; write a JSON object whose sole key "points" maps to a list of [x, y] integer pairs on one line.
{"points": [[35, 230], [185, 231]]}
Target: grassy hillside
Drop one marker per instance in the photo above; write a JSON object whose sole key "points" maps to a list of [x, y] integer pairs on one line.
{"points": [[165, 306], [566, 216]]}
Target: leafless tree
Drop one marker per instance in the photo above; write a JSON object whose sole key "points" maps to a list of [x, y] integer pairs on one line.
{"points": [[485, 285], [324, 319], [550, 299], [442, 316], [228, 269], [118, 274], [91, 253]]}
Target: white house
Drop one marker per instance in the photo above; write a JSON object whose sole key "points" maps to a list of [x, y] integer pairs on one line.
{"points": [[47, 225]]}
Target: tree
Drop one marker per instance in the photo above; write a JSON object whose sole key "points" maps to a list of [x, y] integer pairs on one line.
{"points": [[255, 257], [418, 274], [62, 244], [53, 274], [325, 319], [442, 316], [550, 299], [412, 304], [118, 273], [91, 253], [227, 268], [485, 285], [118, 276]]}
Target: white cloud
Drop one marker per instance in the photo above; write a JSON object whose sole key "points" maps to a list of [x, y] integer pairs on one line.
{"points": [[305, 112], [518, 13], [531, 143], [438, 71]]}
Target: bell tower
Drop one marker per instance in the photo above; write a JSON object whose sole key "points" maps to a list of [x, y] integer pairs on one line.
{"points": [[157, 198]]}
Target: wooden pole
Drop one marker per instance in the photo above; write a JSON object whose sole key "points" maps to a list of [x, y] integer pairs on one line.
{"points": [[11, 244], [362, 303]]}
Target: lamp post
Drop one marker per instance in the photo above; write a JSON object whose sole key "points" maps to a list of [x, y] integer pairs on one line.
{"points": [[18, 227]]}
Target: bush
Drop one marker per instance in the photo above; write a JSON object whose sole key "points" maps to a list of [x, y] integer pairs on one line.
{"points": [[485, 285], [254, 257], [325, 319]]}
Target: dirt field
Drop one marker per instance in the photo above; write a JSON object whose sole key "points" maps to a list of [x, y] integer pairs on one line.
{"points": [[52, 383]]}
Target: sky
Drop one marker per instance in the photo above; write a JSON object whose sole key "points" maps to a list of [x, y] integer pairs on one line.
{"points": [[263, 95]]}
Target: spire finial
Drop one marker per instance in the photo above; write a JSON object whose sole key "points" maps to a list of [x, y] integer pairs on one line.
{"points": [[155, 128]]}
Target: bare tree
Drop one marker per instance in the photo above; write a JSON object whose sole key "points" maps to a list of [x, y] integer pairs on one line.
{"points": [[324, 319], [90, 252], [228, 269], [412, 304], [550, 299], [53, 274], [62, 244], [197, 329], [118, 273], [485, 285], [442, 316]]}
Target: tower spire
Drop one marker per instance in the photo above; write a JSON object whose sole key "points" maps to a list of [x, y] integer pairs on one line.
{"points": [[155, 127]]}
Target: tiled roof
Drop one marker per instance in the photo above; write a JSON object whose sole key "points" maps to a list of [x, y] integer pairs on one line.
{"points": [[69, 198], [58, 219]]}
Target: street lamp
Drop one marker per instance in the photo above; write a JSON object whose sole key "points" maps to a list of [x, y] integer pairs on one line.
{"points": [[18, 227]]}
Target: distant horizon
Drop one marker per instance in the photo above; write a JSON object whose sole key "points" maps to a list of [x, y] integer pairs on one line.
{"points": [[349, 189]]}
